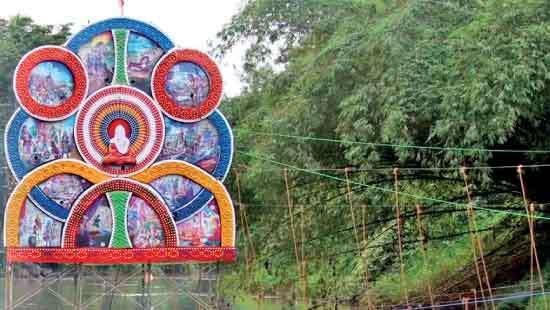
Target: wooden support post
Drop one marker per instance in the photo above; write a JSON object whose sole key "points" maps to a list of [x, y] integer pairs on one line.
{"points": [[78, 287], [149, 296], [249, 253], [474, 292], [465, 301], [8, 285]]}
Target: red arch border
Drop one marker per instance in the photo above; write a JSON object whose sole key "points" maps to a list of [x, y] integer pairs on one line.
{"points": [[169, 106], [22, 76], [70, 233]]}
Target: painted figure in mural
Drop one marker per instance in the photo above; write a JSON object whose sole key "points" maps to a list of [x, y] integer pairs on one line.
{"points": [[187, 84], [196, 143], [26, 139], [40, 142], [203, 229], [119, 146], [144, 227], [51, 83], [95, 229], [98, 56]]}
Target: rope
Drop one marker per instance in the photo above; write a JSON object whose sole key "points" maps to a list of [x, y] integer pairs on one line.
{"points": [[494, 205], [392, 145], [423, 249], [386, 169], [381, 189], [529, 209], [512, 296], [472, 221], [402, 285]]}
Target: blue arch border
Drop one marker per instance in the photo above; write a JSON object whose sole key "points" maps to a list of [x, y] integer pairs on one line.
{"points": [[11, 146], [85, 35], [225, 141]]}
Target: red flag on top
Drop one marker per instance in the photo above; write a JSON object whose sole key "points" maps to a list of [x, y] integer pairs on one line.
{"points": [[121, 5]]}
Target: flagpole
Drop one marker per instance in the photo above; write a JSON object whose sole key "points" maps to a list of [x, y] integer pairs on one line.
{"points": [[121, 6]]}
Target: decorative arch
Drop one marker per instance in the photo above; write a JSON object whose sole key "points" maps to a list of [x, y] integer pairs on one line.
{"points": [[197, 175], [119, 235], [17, 199]]}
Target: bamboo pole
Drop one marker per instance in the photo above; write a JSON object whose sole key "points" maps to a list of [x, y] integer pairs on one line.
{"points": [[243, 224], [399, 233], [423, 247], [352, 212], [291, 217], [370, 305], [534, 259], [472, 219], [8, 282], [78, 287], [304, 261]]}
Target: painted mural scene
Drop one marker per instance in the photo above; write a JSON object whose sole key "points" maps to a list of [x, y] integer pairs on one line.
{"points": [[289, 154]]}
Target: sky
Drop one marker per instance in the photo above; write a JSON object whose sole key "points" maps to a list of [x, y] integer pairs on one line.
{"points": [[189, 23]]}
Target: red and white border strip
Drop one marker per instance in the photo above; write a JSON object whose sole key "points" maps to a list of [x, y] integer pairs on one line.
{"points": [[121, 256], [22, 76]]}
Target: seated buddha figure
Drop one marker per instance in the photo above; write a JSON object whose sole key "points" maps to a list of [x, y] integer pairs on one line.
{"points": [[119, 146]]}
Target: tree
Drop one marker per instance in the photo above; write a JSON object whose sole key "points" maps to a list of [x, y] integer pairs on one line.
{"points": [[443, 74]]}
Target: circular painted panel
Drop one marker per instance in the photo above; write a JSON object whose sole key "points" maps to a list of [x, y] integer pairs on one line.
{"points": [[50, 82], [119, 130], [187, 84]]}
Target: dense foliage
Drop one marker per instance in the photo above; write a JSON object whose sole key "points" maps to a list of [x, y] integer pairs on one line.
{"points": [[471, 74]]}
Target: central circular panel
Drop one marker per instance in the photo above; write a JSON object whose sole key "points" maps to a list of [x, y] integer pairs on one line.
{"points": [[119, 130]]}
